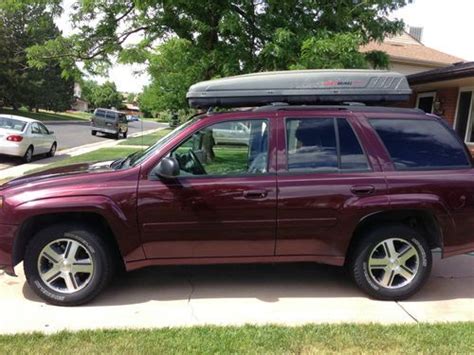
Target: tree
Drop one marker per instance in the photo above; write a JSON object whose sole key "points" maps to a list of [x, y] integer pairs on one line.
{"points": [[222, 38], [105, 95], [21, 27]]}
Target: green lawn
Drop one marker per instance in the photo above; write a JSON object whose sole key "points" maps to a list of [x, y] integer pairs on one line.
{"points": [[147, 139], [103, 154], [310, 339], [229, 160], [48, 116]]}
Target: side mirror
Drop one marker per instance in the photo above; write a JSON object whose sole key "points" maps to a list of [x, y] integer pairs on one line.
{"points": [[168, 168]]}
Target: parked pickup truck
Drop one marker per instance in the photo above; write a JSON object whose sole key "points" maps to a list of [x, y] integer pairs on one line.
{"points": [[371, 188]]}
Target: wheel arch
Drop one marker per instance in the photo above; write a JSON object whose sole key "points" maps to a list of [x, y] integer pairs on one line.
{"points": [[37, 222], [423, 221]]}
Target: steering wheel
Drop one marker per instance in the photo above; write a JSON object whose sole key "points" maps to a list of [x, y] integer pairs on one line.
{"points": [[198, 168]]}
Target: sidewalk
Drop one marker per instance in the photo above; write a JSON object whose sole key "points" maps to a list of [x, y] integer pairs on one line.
{"points": [[19, 170], [290, 294]]}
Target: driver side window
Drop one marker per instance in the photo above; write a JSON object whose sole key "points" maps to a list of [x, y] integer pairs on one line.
{"points": [[237, 147]]}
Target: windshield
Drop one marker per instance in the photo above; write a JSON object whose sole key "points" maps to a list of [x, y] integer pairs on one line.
{"points": [[12, 124], [137, 157]]}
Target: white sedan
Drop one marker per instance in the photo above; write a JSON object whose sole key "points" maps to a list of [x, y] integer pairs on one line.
{"points": [[24, 137]]}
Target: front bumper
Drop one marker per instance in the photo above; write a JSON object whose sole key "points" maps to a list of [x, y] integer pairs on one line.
{"points": [[7, 236]]}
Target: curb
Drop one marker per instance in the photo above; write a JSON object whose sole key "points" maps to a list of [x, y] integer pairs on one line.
{"points": [[65, 121]]}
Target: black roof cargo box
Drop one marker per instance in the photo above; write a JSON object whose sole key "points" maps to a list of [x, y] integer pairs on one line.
{"points": [[300, 87]]}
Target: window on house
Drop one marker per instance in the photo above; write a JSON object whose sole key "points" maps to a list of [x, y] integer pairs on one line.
{"points": [[465, 116], [425, 101]]}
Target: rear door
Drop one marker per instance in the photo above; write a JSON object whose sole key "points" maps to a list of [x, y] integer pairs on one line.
{"points": [[99, 118], [327, 181]]}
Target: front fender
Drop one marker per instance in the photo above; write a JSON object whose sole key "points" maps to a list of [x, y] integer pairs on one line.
{"points": [[120, 218]]}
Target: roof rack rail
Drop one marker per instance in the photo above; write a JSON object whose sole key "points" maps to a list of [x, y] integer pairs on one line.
{"points": [[300, 87]]}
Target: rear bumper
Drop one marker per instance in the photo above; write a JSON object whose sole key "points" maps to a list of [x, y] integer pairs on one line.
{"points": [[7, 236], [13, 149], [105, 130]]}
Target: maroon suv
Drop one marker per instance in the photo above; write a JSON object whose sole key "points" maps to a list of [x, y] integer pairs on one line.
{"points": [[374, 189]]}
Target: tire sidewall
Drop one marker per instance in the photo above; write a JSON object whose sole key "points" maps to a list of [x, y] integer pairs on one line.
{"points": [[28, 157], [374, 238], [84, 237], [52, 151]]}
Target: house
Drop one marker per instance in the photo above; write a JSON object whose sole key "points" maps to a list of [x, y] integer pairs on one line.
{"points": [[408, 55], [79, 104], [131, 109], [448, 92]]}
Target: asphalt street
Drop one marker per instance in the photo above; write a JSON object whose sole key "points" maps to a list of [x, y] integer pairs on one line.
{"points": [[76, 134], [72, 135]]}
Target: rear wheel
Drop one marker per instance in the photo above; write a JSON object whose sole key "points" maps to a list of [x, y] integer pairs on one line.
{"points": [[52, 151], [391, 262], [67, 265], [28, 157], [125, 134]]}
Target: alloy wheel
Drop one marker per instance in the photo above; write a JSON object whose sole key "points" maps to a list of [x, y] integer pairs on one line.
{"points": [[65, 265], [393, 263]]}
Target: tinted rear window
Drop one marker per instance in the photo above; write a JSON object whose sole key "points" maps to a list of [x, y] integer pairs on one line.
{"points": [[99, 113], [315, 145], [420, 144]]}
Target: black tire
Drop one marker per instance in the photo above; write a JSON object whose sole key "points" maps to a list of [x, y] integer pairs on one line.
{"points": [[372, 279], [91, 241], [28, 157], [52, 150], [94, 133], [117, 135], [125, 134]]}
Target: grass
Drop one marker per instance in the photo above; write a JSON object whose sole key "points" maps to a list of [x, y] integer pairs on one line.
{"points": [[228, 159], [103, 154], [310, 339], [47, 115], [147, 139]]}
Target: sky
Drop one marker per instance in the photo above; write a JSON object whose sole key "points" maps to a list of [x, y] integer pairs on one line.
{"points": [[447, 26]]}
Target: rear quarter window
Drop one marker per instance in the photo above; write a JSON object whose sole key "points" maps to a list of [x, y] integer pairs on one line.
{"points": [[420, 144]]}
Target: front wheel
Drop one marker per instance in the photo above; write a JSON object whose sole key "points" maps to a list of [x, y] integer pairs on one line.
{"points": [[67, 265], [391, 262]]}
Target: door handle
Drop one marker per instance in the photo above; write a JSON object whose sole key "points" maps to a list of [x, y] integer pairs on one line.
{"points": [[255, 194], [362, 190]]}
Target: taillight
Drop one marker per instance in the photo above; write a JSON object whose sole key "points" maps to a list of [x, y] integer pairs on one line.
{"points": [[14, 138]]}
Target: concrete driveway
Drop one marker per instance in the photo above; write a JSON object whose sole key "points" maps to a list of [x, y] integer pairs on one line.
{"points": [[287, 294], [76, 134]]}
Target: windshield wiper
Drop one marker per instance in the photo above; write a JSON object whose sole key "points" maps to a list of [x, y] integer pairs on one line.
{"points": [[123, 162]]}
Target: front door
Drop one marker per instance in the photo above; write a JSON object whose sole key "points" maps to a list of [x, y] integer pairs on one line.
{"points": [[325, 184], [223, 204]]}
